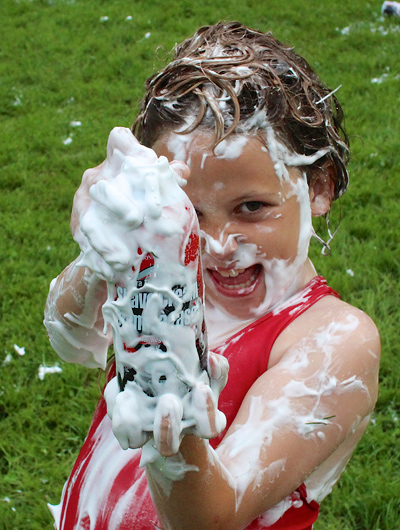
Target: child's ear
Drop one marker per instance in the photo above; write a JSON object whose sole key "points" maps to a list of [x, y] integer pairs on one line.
{"points": [[321, 194]]}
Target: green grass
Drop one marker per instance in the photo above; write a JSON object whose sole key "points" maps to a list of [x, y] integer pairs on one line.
{"points": [[60, 63]]}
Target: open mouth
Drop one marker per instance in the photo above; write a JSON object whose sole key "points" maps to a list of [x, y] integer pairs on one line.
{"points": [[236, 282]]}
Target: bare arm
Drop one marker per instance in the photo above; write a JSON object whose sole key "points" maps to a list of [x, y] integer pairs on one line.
{"points": [[309, 405]]}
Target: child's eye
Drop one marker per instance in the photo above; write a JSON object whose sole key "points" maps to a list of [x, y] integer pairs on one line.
{"points": [[251, 206]]}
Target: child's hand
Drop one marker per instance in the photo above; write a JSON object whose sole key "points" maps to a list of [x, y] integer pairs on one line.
{"points": [[209, 421], [114, 202], [162, 420]]}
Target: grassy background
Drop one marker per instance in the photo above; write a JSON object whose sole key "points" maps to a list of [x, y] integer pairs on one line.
{"points": [[62, 62]]}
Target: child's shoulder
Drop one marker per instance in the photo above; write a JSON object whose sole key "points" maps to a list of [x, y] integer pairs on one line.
{"points": [[331, 321]]}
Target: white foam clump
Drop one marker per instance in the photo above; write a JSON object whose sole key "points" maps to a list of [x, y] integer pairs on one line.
{"points": [[138, 215], [282, 156], [128, 197], [231, 148], [19, 349], [7, 359], [44, 370]]}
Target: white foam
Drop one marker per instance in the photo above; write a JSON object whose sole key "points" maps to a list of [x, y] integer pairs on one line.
{"points": [[231, 148], [44, 370], [19, 349]]}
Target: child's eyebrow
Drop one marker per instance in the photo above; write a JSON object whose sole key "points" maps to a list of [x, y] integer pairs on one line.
{"points": [[259, 195]]}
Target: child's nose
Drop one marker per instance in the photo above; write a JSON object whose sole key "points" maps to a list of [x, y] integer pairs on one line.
{"points": [[220, 243]]}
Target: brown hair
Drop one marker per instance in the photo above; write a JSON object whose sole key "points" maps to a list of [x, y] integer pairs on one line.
{"points": [[230, 79]]}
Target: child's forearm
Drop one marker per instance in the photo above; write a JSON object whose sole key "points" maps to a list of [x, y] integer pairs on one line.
{"points": [[201, 495], [73, 317]]}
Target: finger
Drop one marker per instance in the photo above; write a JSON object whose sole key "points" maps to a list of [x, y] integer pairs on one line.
{"points": [[126, 421], [121, 139], [181, 169], [217, 365], [218, 368], [91, 176], [209, 420], [167, 425], [110, 395]]}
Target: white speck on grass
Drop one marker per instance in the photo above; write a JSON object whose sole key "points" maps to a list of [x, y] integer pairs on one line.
{"points": [[44, 370], [147, 35], [103, 19], [7, 359], [48, 247], [67, 141], [19, 350], [74, 123], [379, 80], [350, 272], [129, 17], [345, 31]]}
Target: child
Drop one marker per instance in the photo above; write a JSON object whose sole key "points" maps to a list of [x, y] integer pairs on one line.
{"points": [[263, 140]]}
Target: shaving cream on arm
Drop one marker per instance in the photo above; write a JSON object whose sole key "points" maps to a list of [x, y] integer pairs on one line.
{"points": [[73, 318]]}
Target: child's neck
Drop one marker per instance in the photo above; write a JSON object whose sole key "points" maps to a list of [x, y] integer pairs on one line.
{"points": [[221, 326]]}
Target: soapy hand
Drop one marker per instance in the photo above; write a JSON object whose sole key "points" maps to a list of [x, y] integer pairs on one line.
{"points": [[209, 420], [159, 423], [102, 206]]}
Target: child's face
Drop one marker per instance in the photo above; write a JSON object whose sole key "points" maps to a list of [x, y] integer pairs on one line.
{"points": [[256, 227]]}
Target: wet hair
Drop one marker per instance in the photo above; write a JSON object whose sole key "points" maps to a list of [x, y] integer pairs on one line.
{"points": [[230, 79]]}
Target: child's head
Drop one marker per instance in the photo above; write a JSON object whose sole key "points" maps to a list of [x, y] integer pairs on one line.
{"points": [[262, 138], [230, 80]]}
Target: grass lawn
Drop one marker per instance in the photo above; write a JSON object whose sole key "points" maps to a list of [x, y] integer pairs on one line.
{"points": [[70, 71]]}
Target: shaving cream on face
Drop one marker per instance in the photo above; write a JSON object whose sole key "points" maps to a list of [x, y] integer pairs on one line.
{"points": [[236, 249], [282, 277], [142, 238]]}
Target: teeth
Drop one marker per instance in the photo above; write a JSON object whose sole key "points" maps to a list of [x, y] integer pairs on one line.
{"points": [[242, 285], [232, 273]]}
